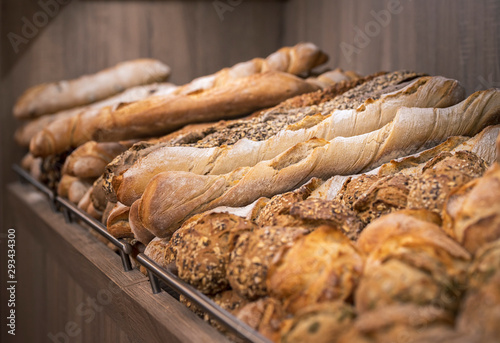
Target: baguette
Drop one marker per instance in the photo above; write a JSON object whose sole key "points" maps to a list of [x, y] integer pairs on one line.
{"points": [[294, 60], [481, 144], [159, 115], [172, 196], [24, 134], [57, 96], [228, 132], [424, 92]]}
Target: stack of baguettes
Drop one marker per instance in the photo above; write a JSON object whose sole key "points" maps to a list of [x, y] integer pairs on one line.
{"points": [[75, 128], [365, 210]]}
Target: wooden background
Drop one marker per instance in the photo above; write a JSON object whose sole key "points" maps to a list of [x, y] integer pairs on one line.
{"points": [[454, 38]]}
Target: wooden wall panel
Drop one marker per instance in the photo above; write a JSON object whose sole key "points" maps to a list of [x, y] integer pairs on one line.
{"points": [[455, 38]]}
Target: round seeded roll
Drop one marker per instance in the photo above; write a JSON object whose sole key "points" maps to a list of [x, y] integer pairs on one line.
{"points": [[247, 269], [316, 212], [204, 249], [321, 266], [277, 211], [353, 188], [386, 195], [441, 175], [472, 212], [410, 261]]}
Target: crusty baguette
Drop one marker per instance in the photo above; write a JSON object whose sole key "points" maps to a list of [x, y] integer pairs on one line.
{"points": [[295, 60], [90, 159], [24, 134], [171, 196], [57, 96], [158, 115], [481, 144], [424, 92], [227, 132]]}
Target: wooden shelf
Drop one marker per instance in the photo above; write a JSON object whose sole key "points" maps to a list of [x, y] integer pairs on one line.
{"points": [[70, 283]]}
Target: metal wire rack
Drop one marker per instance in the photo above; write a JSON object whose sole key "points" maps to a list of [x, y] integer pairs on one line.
{"points": [[155, 272]]}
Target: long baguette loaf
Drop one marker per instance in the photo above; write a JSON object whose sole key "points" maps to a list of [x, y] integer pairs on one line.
{"points": [[159, 115], [259, 125], [424, 92], [294, 60], [24, 134], [57, 96], [481, 144], [171, 197]]}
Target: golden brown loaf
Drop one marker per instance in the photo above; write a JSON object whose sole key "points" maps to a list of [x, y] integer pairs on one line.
{"points": [[410, 261], [276, 212], [315, 212], [472, 212], [57, 96], [480, 311], [318, 267], [252, 255], [158, 115], [24, 134], [327, 125], [204, 249], [160, 250], [440, 176], [412, 129]]}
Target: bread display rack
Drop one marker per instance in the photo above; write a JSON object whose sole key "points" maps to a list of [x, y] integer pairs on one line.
{"points": [[157, 275]]}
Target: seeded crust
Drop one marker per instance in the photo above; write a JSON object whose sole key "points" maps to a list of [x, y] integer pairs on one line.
{"points": [[441, 175], [353, 188], [384, 196], [247, 269], [277, 211], [316, 212], [267, 123], [204, 249]]}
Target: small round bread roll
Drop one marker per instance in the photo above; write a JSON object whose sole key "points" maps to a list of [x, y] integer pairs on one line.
{"points": [[321, 266], [204, 249], [247, 269]]}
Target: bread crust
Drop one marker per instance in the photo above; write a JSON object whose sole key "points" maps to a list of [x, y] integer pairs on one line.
{"points": [[57, 96]]}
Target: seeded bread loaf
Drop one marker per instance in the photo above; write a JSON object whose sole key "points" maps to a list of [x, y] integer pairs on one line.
{"points": [[173, 196], [424, 92], [259, 126], [57, 96]]}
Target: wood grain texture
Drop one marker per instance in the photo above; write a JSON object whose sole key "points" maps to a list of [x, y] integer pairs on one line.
{"points": [[454, 38], [66, 275]]}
